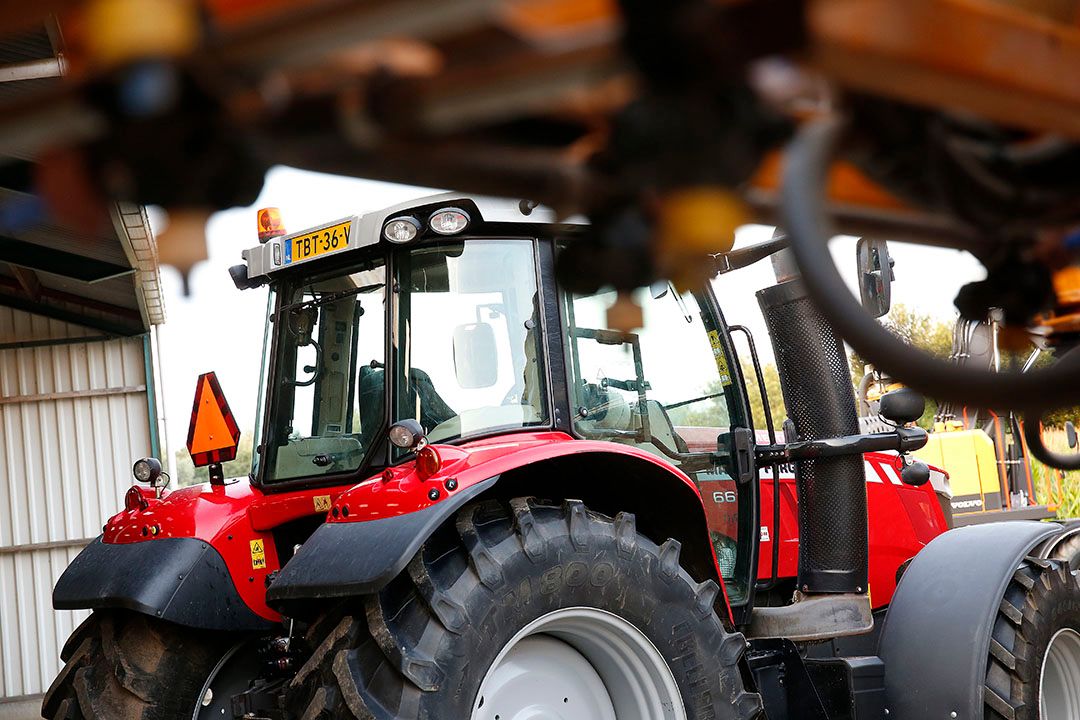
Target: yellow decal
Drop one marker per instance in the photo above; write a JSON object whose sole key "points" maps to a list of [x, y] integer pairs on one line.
{"points": [[721, 357], [258, 555], [322, 503]]}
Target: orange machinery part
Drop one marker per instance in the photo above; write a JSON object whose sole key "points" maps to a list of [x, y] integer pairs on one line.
{"points": [[846, 185]]}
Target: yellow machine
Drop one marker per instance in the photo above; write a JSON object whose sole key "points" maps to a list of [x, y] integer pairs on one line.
{"points": [[984, 454]]}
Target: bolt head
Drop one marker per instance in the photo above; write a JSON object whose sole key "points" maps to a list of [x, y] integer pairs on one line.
{"points": [[451, 484], [433, 494]]}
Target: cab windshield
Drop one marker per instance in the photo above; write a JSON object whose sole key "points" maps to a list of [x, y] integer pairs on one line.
{"points": [[467, 338], [327, 397]]}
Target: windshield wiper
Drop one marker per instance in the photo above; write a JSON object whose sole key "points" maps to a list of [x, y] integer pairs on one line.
{"points": [[331, 298]]}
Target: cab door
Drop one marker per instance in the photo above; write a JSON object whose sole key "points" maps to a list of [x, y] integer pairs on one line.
{"points": [[672, 388]]}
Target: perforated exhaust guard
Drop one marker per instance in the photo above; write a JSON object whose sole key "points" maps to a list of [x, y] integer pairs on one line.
{"points": [[817, 388]]}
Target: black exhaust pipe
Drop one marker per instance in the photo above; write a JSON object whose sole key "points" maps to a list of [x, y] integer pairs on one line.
{"points": [[816, 381]]}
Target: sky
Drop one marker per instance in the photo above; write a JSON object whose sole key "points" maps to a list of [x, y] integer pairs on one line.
{"points": [[220, 328]]}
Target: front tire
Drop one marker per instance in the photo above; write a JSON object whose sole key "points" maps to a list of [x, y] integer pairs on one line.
{"points": [[585, 605], [1033, 671], [122, 664]]}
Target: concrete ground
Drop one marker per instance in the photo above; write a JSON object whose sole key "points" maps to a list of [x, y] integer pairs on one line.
{"points": [[21, 709]]}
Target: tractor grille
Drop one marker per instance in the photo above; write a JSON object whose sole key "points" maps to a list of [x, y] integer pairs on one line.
{"points": [[821, 403]]}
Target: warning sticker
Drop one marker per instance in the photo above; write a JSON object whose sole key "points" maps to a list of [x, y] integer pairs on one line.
{"points": [[258, 555], [720, 356], [322, 503]]}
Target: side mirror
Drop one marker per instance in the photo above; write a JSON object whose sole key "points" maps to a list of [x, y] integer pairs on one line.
{"points": [[1070, 434], [902, 406], [476, 361], [875, 275]]}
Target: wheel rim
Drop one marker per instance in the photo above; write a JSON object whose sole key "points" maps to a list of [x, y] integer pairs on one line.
{"points": [[579, 664], [230, 675], [1059, 684]]}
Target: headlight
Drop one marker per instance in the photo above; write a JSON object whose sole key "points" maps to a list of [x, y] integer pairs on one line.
{"points": [[448, 221], [401, 230], [407, 434], [147, 470]]}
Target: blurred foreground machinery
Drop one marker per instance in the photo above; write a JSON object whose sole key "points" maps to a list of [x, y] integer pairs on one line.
{"points": [[948, 122]]}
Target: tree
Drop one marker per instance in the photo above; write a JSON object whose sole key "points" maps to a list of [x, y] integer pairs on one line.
{"points": [[915, 328], [695, 415], [924, 332], [188, 474], [773, 392]]}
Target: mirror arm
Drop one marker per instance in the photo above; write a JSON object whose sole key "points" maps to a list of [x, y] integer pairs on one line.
{"points": [[901, 440], [744, 257]]}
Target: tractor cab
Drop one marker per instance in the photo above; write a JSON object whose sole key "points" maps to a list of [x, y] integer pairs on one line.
{"points": [[445, 311], [441, 326]]}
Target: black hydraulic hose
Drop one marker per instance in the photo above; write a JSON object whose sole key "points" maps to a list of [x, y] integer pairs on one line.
{"points": [[1038, 450], [803, 203]]}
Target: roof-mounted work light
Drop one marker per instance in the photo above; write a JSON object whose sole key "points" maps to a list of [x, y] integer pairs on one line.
{"points": [[448, 221], [401, 229]]}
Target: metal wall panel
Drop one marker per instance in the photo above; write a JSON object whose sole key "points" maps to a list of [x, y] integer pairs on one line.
{"points": [[73, 416]]}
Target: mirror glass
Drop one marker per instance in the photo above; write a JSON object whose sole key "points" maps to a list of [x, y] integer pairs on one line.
{"points": [[476, 361], [875, 275]]}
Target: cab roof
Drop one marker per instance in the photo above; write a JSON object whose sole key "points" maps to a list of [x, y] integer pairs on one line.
{"points": [[366, 230]]}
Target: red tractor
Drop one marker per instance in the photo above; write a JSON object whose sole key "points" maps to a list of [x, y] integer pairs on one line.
{"points": [[472, 498]]}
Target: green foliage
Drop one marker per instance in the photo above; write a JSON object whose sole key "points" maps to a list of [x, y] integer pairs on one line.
{"points": [[922, 331], [705, 415], [188, 474], [1054, 487], [772, 390], [914, 328]]}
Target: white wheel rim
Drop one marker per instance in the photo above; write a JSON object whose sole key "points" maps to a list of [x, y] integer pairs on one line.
{"points": [[579, 664], [1059, 683]]}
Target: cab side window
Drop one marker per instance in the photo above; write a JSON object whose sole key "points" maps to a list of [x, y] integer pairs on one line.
{"points": [[668, 389]]}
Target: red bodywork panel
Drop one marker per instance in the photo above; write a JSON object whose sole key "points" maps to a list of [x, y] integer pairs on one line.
{"points": [[228, 517], [402, 489], [234, 516], [903, 519]]}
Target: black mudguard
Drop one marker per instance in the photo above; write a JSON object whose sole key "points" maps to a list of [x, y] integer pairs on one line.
{"points": [[182, 580], [936, 638], [358, 558]]}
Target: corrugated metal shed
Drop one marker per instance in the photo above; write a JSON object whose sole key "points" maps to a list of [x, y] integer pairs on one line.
{"points": [[76, 407], [78, 317], [70, 417]]}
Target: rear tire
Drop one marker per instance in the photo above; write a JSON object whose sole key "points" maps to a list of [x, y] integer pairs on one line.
{"points": [[122, 664], [423, 646], [1035, 646]]}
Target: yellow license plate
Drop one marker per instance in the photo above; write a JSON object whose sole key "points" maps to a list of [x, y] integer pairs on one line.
{"points": [[319, 242]]}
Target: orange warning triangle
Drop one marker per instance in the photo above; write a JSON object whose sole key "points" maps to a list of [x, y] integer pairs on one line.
{"points": [[213, 433]]}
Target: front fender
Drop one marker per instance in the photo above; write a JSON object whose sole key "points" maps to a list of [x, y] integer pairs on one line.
{"points": [[340, 560], [940, 621], [182, 580], [198, 556]]}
